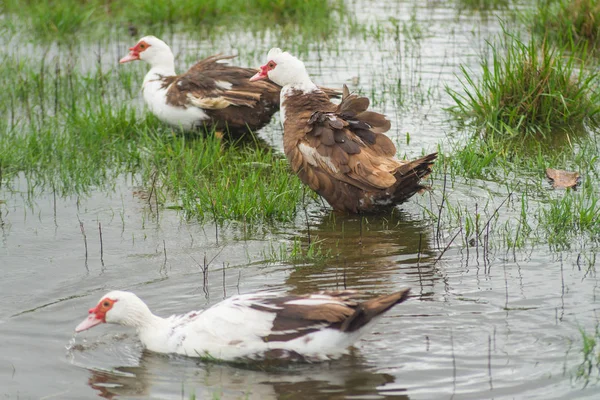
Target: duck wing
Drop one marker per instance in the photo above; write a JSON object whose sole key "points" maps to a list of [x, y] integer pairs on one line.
{"points": [[212, 84], [348, 145]]}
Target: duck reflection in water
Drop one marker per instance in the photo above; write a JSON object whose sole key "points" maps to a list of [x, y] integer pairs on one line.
{"points": [[371, 252], [158, 374]]}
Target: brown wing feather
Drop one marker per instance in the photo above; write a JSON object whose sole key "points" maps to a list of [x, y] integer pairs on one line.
{"points": [[339, 310], [349, 150], [225, 93], [365, 312], [203, 80]]}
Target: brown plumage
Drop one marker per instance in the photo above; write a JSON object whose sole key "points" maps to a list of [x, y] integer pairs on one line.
{"points": [[242, 107], [341, 152], [246, 106], [340, 310]]}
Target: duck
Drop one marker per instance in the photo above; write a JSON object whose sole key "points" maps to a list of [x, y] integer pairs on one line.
{"points": [[212, 94], [340, 150], [251, 327]]}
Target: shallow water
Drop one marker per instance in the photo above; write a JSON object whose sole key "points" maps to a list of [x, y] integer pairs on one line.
{"points": [[496, 324]]}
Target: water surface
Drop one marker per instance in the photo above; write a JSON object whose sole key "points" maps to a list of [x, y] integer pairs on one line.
{"points": [[496, 324]]}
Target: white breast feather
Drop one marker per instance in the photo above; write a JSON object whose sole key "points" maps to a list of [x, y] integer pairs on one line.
{"points": [[156, 99]]}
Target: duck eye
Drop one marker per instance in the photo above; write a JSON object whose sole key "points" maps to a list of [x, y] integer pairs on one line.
{"points": [[142, 46], [106, 304]]}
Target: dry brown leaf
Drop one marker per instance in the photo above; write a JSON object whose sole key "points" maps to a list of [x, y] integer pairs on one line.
{"points": [[561, 178]]}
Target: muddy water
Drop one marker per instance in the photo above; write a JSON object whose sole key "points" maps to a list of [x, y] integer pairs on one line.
{"points": [[498, 325]]}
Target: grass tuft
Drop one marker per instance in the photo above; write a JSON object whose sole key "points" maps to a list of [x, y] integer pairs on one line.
{"points": [[564, 21], [298, 251], [224, 182], [527, 91]]}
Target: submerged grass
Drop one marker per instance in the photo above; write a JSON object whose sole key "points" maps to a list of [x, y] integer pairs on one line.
{"points": [[590, 365], [63, 19], [298, 251], [68, 131], [527, 91]]}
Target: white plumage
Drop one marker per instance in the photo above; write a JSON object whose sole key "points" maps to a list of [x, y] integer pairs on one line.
{"points": [[250, 327]]}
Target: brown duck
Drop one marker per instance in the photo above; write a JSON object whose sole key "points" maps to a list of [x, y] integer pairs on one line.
{"points": [[340, 151]]}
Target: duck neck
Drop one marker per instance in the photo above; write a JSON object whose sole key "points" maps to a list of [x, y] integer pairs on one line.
{"points": [[141, 318], [151, 322], [303, 84], [161, 67], [153, 331]]}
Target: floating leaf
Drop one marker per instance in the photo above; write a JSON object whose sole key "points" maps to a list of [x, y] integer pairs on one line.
{"points": [[562, 179]]}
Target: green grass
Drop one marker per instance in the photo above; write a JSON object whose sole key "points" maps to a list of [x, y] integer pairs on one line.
{"points": [[576, 212], [64, 20], [536, 214], [483, 5], [564, 21], [527, 91], [69, 131], [241, 183], [590, 366], [531, 109]]}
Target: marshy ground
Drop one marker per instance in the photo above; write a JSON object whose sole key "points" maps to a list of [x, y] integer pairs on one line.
{"points": [[96, 194]]}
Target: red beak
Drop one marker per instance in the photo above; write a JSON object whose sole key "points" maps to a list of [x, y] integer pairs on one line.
{"points": [[132, 56], [262, 74]]}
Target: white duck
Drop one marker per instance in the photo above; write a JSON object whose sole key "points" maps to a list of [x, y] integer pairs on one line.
{"points": [[340, 151], [251, 327], [210, 94]]}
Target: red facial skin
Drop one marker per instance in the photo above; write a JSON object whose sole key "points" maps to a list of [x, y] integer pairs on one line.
{"points": [[264, 71], [102, 308], [134, 52], [97, 315]]}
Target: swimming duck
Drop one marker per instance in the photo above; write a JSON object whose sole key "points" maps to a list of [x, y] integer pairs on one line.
{"points": [[257, 326]]}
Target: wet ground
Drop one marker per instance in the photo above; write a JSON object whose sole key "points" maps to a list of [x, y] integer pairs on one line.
{"points": [[483, 323]]}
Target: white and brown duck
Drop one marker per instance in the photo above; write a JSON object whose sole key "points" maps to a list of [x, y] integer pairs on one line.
{"points": [[340, 151], [211, 94], [255, 326]]}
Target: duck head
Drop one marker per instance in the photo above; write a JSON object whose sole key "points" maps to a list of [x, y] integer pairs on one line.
{"points": [[117, 307], [150, 49], [283, 69]]}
